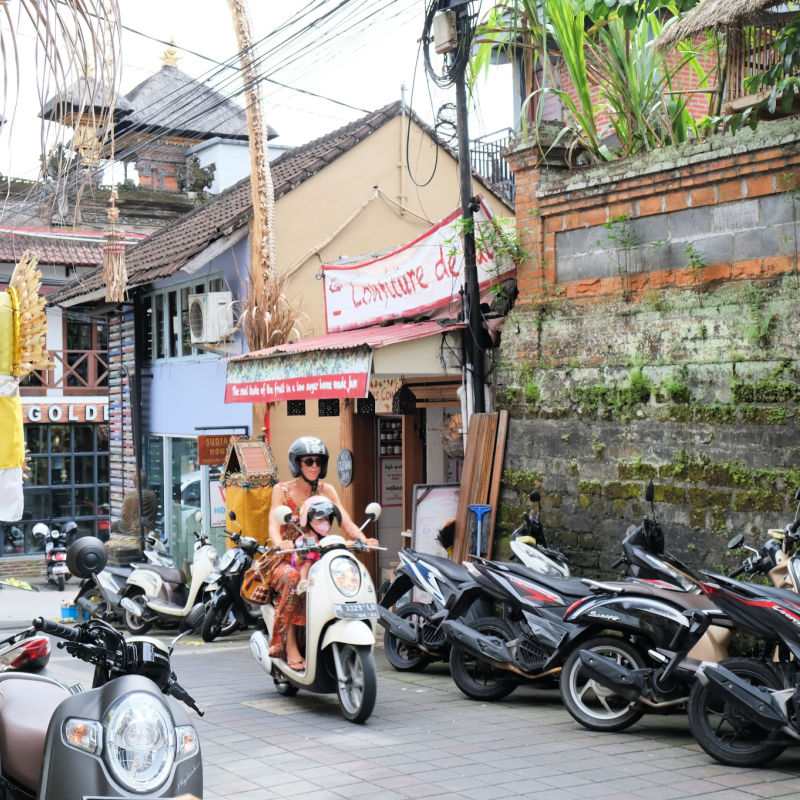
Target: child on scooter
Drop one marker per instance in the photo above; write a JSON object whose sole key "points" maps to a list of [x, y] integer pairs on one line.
{"points": [[316, 518]]}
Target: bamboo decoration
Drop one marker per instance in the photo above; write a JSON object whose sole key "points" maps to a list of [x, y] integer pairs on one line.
{"points": [[115, 276], [23, 332]]}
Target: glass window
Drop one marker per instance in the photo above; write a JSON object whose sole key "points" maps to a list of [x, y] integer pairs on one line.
{"points": [[186, 333], [84, 502], [38, 474], [60, 441], [84, 469], [158, 330], [148, 330], [62, 503], [36, 438], [174, 323], [186, 481], [60, 470], [84, 439]]}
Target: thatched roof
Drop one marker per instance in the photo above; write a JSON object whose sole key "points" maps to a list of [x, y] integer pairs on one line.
{"points": [[711, 15]]}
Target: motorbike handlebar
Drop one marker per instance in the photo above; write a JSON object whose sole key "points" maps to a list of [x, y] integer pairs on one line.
{"points": [[57, 629], [737, 572]]}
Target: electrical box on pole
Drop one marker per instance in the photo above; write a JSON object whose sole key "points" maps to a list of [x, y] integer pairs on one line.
{"points": [[445, 32]]}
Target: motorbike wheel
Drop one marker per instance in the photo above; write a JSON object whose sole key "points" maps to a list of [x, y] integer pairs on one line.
{"points": [[724, 733], [358, 685], [594, 706], [60, 583], [136, 625], [402, 656], [215, 620], [477, 679]]}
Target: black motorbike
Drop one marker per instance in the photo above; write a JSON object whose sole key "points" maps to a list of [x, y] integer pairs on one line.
{"points": [[227, 611], [528, 638], [413, 636], [674, 634], [123, 738]]}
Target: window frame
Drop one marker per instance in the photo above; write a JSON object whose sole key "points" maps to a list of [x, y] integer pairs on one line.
{"points": [[169, 345]]}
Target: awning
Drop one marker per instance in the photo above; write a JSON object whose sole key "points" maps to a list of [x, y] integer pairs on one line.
{"points": [[336, 365]]}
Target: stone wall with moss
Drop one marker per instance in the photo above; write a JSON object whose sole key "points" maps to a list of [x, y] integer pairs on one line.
{"points": [[696, 390]]}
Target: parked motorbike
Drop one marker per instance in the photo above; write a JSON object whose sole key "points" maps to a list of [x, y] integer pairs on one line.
{"points": [[529, 544], [414, 637], [123, 738], [340, 625], [529, 639], [105, 604], [161, 595], [227, 611], [56, 542], [25, 652], [666, 637]]}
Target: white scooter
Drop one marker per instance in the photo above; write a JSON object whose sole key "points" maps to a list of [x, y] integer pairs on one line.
{"points": [[159, 595], [529, 546], [341, 613]]}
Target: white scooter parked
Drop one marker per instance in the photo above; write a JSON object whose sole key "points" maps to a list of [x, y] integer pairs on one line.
{"points": [[529, 546], [341, 613], [160, 595]]}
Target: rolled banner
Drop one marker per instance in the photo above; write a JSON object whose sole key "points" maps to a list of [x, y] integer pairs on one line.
{"points": [[12, 439]]}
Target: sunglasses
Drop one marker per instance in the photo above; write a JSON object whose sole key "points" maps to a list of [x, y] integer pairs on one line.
{"points": [[312, 461]]}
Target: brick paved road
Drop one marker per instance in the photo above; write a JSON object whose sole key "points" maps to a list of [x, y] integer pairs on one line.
{"points": [[426, 740]]}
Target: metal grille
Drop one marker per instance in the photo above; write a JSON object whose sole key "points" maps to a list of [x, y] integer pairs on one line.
{"points": [[530, 655], [328, 408], [487, 161], [296, 408], [365, 405]]}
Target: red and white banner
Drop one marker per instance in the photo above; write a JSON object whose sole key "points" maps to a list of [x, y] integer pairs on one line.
{"points": [[415, 279]]}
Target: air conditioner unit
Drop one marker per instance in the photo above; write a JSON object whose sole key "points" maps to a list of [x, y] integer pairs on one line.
{"points": [[210, 317]]}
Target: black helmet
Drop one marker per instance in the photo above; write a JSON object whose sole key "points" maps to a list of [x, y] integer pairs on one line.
{"points": [[307, 446]]}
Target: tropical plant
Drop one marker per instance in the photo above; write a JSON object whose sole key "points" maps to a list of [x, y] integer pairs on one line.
{"points": [[624, 96]]}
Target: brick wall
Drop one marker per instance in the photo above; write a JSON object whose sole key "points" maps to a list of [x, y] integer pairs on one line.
{"points": [[662, 346]]}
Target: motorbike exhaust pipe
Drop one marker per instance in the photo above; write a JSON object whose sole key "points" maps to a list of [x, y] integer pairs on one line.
{"points": [[754, 705], [397, 626], [487, 648], [625, 682]]}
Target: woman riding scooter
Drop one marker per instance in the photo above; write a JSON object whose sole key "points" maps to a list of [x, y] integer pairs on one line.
{"points": [[308, 464]]}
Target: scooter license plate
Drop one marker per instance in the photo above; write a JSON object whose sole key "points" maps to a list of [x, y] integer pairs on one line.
{"points": [[355, 610], [60, 569]]}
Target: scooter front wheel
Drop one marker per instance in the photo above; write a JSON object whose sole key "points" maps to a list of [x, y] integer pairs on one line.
{"points": [[723, 732], [215, 620], [358, 682]]}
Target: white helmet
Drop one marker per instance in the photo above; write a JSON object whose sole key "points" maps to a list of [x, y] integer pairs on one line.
{"points": [[40, 529]]}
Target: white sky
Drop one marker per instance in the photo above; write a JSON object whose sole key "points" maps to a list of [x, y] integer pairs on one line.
{"points": [[366, 71]]}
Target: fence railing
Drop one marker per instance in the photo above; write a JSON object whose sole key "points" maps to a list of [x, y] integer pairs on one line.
{"points": [[751, 51], [487, 161], [76, 372]]}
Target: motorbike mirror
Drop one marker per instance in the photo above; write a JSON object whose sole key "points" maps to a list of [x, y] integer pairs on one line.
{"points": [[232, 515], [198, 517], [86, 556], [374, 511], [282, 514], [797, 494], [534, 496], [649, 492], [736, 541]]}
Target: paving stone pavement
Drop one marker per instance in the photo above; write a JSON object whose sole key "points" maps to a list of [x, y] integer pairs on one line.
{"points": [[425, 740]]}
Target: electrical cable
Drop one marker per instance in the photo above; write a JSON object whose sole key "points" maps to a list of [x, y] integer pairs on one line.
{"points": [[179, 105]]}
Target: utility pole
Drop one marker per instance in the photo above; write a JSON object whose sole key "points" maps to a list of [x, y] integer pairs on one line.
{"points": [[474, 352]]}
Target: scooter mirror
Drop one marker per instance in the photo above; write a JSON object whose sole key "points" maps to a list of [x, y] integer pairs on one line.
{"points": [[282, 514], [535, 497], [649, 492], [232, 515], [736, 541], [86, 556], [373, 510], [198, 516]]}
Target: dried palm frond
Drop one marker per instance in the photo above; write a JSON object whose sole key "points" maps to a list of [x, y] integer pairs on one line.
{"points": [[30, 335]]}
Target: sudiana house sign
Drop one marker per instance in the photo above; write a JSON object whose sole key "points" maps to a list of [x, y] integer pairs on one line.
{"points": [[419, 277]]}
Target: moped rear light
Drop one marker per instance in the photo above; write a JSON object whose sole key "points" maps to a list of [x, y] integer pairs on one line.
{"points": [[27, 653], [60, 556]]}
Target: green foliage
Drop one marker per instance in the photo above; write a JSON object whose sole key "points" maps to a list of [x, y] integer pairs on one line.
{"points": [[760, 326], [695, 257], [676, 390], [622, 237]]}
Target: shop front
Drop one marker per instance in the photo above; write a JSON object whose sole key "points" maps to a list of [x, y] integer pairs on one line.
{"points": [[68, 447]]}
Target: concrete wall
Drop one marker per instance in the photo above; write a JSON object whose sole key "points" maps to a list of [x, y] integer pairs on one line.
{"points": [[656, 338]]}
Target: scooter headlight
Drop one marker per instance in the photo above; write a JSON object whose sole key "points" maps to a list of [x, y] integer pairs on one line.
{"points": [[346, 575], [140, 742]]}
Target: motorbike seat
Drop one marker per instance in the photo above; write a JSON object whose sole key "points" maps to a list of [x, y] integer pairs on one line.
{"points": [[567, 587], [452, 571], [27, 702], [168, 574]]}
